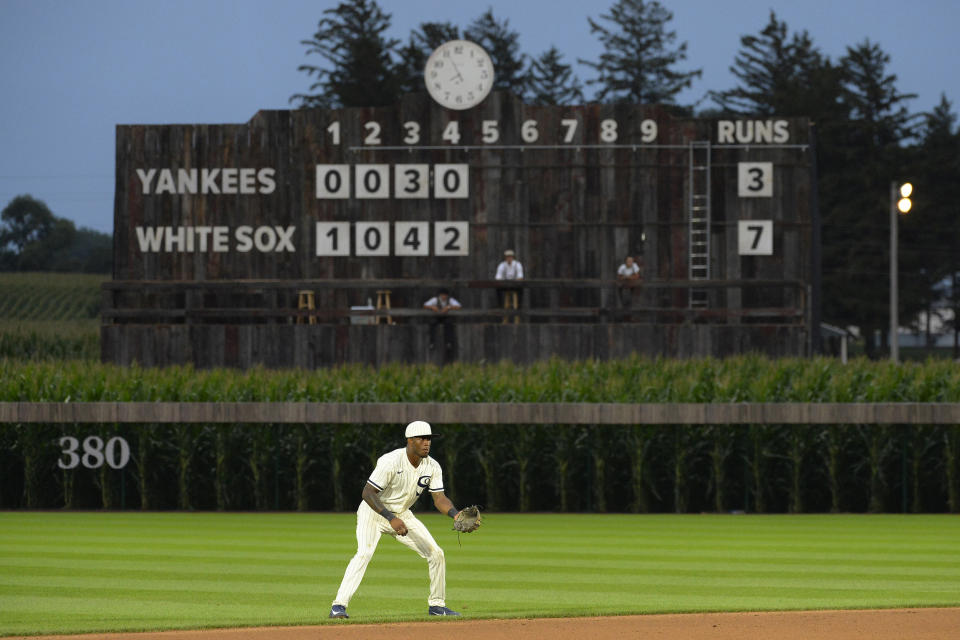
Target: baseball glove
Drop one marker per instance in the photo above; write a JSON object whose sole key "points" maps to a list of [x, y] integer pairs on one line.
{"points": [[467, 520]]}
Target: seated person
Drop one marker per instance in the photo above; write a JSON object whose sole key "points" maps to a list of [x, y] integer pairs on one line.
{"points": [[629, 270], [628, 276], [510, 268], [442, 302]]}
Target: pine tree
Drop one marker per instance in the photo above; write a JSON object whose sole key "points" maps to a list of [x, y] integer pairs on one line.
{"points": [[359, 69], [780, 75], [414, 54], [872, 97], [855, 215], [503, 45], [933, 226], [639, 58], [550, 81]]}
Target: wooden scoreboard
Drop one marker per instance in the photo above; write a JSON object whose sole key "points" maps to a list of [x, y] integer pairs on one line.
{"points": [[219, 231]]}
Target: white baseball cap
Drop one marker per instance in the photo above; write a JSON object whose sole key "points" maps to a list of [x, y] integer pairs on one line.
{"points": [[419, 428]]}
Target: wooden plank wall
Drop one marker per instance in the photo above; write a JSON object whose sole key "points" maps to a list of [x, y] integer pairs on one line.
{"points": [[313, 346], [359, 413], [570, 212], [567, 212]]}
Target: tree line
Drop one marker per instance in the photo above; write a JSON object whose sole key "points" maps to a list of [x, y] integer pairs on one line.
{"points": [[866, 134], [32, 238]]}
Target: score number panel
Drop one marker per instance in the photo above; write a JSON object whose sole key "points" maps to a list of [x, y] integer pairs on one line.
{"points": [[755, 180], [404, 239], [372, 181]]}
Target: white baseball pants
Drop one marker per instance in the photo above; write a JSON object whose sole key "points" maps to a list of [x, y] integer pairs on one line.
{"points": [[370, 526]]}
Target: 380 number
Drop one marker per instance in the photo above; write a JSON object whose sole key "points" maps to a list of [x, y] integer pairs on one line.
{"points": [[115, 452]]}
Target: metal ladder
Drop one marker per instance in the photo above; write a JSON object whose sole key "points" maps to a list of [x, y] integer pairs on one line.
{"points": [[698, 221]]}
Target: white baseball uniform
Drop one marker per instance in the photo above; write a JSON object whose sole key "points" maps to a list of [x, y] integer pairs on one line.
{"points": [[400, 484]]}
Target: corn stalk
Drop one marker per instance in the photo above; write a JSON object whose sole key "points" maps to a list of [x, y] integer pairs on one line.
{"points": [[798, 444], [722, 447], [640, 439], [951, 455]]}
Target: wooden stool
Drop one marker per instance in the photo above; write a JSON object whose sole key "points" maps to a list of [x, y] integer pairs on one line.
{"points": [[383, 302], [306, 302], [510, 302]]}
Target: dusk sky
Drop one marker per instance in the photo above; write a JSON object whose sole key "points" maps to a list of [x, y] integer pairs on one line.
{"points": [[72, 71]]}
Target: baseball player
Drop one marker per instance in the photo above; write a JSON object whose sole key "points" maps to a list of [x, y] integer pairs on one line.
{"points": [[395, 484]]}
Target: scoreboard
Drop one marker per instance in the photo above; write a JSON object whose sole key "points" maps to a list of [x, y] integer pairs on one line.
{"points": [[417, 191]]}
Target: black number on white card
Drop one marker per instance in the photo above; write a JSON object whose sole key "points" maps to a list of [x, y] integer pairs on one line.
{"points": [[451, 180], [756, 184], [412, 238], [758, 232], [332, 234], [371, 181], [372, 239], [332, 181], [453, 244], [413, 181]]}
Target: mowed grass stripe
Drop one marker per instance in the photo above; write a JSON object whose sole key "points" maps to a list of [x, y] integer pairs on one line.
{"points": [[73, 572], [559, 556], [64, 577], [540, 568]]}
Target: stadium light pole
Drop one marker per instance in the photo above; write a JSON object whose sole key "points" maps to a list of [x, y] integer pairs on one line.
{"points": [[899, 203]]}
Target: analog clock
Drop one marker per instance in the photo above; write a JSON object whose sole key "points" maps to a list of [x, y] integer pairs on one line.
{"points": [[459, 74]]}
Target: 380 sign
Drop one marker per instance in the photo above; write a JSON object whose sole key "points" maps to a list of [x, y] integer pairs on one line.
{"points": [[92, 453]]}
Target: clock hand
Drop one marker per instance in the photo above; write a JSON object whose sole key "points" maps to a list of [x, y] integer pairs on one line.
{"points": [[457, 69]]}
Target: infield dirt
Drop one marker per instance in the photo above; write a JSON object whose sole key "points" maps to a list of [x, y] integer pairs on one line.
{"points": [[886, 624]]}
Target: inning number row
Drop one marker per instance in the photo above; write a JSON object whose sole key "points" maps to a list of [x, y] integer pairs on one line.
{"points": [[490, 132]]}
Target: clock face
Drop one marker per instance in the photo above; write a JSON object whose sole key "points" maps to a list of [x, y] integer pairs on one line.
{"points": [[459, 74]]}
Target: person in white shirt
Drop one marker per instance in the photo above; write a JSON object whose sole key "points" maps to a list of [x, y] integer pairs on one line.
{"points": [[629, 270], [394, 486], [509, 269], [628, 275], [441, 304]]}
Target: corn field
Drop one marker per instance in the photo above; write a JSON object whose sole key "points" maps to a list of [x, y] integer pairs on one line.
{"points": [[50, 296], [714, 468], [50, 340], [635, 380]]}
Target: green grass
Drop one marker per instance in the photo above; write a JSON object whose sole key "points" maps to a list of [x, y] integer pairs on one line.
{"points": [[87, 572]]}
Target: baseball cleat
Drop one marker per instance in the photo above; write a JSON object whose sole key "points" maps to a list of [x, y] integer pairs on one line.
{"points": [[441, 611], [338, 611]]}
